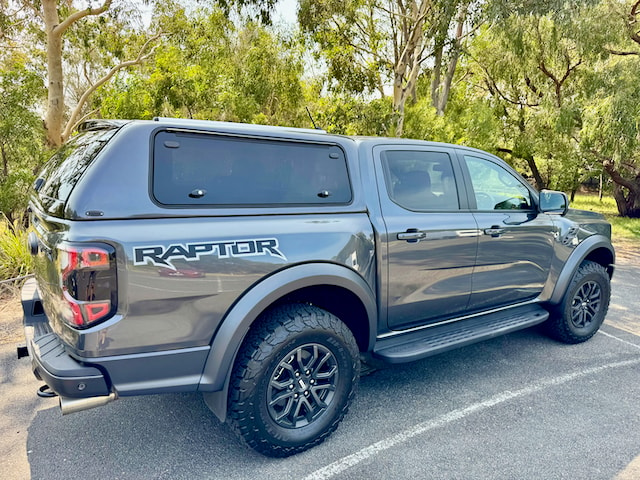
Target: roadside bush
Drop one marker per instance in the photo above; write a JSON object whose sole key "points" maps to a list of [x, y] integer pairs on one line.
{"points": [[15, 259]]}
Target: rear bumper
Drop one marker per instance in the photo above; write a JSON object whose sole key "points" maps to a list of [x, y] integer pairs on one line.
{"points": [[49, 359]]}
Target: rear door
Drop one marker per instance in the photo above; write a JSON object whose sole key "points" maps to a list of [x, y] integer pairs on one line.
{"points": [[515, 245], [431, 236]]}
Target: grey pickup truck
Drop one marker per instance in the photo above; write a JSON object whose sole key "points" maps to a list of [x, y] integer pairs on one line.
{"points": [[264, 266]]}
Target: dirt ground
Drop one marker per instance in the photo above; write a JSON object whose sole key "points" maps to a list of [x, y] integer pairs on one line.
{"points": [[627, 252], [10, 315], [11, 311]]}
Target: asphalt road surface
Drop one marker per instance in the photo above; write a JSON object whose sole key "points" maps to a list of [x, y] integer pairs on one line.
{"points": [[520, 406]]}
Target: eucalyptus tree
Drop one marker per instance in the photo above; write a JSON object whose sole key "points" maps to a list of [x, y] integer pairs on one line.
{"points": [[372, 46], [91, 40], [210, 67]]}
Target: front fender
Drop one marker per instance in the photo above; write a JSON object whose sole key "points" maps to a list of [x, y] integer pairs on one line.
{"points": [[579, 254], [228, 339]]}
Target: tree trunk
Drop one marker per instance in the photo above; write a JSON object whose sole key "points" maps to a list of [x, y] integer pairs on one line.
{"points": [[448, 79], [629, 203], [441, 103], [540, 183], [55, 101], [402, 91], [437, 69], [407, 62], [398, 103], [600, 188], [5, 161]]}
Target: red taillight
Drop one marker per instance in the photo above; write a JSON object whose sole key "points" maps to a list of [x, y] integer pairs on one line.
{"points": [[88, 277], [94, 258]]}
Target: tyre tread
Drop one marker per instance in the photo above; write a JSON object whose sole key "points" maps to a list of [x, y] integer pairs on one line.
{"points": [[557, 325], [274, 329]]}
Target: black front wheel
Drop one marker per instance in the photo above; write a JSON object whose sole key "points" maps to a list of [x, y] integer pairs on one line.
{"points": [[583, 308], [293, 380]]}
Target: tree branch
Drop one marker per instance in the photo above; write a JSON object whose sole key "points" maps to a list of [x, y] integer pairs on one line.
{"points": [[635, 36], [546, 71], [570, 69], [74, 17], [83, 118], [493, 88], [618, 52], [532, 87], [633, 168], [505, 150], [85, 96], [609, 165]]}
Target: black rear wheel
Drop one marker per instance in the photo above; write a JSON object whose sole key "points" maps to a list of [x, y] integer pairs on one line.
{"points": [[293, 381]]}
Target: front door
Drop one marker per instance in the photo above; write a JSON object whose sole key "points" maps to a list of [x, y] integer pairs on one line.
{"points": [[515, 246]]}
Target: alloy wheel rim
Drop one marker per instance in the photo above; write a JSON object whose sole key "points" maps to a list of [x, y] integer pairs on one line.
{"points": [[302, 386], [586, 304]]}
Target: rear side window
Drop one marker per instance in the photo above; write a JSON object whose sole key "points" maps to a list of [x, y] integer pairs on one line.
{"points": [[420, 180], [205, 169], [61, 174]]}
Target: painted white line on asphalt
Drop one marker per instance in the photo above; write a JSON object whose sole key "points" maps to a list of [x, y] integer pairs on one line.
{"points": [[619, 339], [349, 461]]}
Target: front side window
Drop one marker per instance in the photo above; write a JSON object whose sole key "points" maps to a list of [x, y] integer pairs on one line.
{"points": [[420, 180], [495, 188], [205, 169]]}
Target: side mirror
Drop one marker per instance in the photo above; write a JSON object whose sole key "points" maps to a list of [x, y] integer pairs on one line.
{"points": [[552, 202]]}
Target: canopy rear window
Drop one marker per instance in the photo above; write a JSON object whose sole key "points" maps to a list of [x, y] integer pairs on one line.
{"points": [[61, 174]]}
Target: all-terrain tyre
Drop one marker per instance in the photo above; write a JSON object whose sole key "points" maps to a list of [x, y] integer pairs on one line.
{"points": [[585, 303], [293, 381]]}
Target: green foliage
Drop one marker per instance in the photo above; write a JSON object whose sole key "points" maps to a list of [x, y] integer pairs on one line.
{"points": [[351, 39], [15, 259], [209, 68], [469, 120], [539, 83], [347, 115], [535, 68], [21, 132], [611, 117]]}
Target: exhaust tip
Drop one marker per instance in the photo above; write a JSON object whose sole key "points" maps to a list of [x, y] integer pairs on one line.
{"points": [[73, 405]]}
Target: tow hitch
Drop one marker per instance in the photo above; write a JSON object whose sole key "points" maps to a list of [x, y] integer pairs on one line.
{"points": [[45, 392]]}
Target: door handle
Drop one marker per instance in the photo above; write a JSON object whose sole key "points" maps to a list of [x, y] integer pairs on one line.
{"points": [[412, 235], [494, 231]]}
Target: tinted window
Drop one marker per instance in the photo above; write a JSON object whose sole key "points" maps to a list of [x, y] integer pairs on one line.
{"points": [[419, 180], [199, 169], [495, 188], [64, 169]]}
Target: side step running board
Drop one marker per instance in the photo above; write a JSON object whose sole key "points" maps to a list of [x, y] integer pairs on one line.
{"points": [[430, 341]]}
